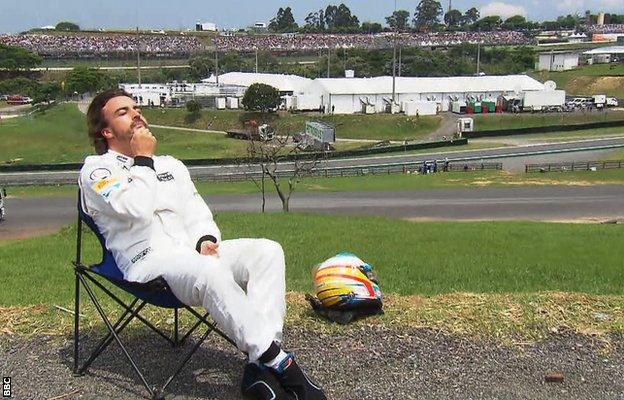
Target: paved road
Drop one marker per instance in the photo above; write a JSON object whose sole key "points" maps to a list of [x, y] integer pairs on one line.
{"points": [[31, 216], [503, 153]]}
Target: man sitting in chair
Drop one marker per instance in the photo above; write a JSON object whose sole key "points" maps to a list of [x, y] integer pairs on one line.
{"points": [[157, 225]]}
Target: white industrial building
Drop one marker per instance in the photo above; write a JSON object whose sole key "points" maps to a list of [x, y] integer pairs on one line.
{"points": [[150, 94], [558, 61], [605, 54], [285, 84], [206, 26], [357, 95], [413, 96]]}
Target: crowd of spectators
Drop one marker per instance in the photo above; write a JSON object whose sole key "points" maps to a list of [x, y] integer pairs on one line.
{"points": [[286, 42], [61, 46], [69, 46], [610, 28]]}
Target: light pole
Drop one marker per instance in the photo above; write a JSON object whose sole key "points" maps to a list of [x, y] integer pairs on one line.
{"points": [[138, 56], [394, 54]]}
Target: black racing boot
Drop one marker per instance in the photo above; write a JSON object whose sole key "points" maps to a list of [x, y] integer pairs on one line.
{"points": [[295, 381], [260, 384]]}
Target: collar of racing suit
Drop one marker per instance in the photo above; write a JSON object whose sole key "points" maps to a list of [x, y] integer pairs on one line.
{"points": [[125, 160]]}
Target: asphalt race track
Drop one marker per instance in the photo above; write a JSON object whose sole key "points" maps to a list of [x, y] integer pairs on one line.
{"points": [[513, 157], [35, 216]]}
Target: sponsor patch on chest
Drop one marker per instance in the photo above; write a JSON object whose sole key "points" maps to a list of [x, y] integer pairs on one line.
{"points": [[99, 174], [165, 177]]}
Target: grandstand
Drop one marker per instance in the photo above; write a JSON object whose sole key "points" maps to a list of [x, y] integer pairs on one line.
{"points": [[298, 42], [107, 45], [609, 28]]}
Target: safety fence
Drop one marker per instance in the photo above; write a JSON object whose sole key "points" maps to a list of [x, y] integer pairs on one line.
{"points": [[413, 146], [574, 166], [373, 169]]}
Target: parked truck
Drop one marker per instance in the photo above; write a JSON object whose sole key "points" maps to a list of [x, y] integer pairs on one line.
{"points": [[612, 102], [543, 100], [253, 131], [599, 101]]}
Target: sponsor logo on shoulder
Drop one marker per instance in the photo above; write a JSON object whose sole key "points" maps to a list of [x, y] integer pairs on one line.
{"points": [[107, 186], [121, 158], [165, 177], [99, 174]]}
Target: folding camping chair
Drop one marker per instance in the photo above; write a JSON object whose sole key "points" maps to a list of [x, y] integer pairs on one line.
{"points": [[155, 292]]}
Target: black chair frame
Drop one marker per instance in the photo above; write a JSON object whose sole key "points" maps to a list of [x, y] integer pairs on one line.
{"points": [[86, 277]]}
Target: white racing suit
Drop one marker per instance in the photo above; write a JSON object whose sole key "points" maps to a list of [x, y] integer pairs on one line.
{"points": [[152, 221]]}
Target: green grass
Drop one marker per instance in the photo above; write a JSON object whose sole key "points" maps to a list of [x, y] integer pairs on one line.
{"points": [[516, 121], [571, 135], [377, 127], [551, 137], [410, 258], [615, 155], [59, 135]]}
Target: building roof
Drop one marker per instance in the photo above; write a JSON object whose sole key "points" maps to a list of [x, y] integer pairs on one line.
{"points": [[606, 50], [460, 84], [283, 83], [572, 53]]}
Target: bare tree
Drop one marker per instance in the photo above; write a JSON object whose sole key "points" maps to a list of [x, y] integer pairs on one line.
{"points": [[283, 163]]}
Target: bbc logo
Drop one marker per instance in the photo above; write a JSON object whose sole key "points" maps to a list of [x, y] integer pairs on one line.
{"points": [[6, 387]]}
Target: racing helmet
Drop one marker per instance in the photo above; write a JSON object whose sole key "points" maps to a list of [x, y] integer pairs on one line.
{"points": [[345, 282]]}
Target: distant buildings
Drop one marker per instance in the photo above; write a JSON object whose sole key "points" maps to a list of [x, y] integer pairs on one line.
{"points": [[417, 96], [558, 61], [206, 26]]}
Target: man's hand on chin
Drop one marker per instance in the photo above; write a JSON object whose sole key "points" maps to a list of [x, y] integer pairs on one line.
{"points": [[143, 143], [209, 249]]}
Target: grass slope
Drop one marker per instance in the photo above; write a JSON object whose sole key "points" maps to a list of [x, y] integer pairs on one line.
{"points": [[515, 121], [587, 80], [377, 127], [410, 258], [59, 135]]}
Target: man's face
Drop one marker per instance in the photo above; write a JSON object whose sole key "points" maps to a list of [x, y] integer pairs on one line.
{"points": [[123, 116]]}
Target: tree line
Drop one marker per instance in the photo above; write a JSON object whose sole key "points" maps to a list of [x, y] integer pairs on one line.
{"points": [[427, 17]]}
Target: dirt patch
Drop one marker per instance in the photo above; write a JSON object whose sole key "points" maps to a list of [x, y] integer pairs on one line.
{"points": [[20, 234], [540, 182], [552, 182], [316, 187], [372, 359], [610, 85]]}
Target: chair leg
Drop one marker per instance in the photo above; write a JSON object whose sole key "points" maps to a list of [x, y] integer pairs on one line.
{"points": [[119, 326], [125, 307], [112, 331], [77, 326], [188, 356]]}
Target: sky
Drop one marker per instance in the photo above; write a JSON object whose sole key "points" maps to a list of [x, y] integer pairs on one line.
{"points": [[20, 15]]}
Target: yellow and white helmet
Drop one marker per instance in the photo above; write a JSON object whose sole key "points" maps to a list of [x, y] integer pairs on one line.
{"points": [[345, 282]]}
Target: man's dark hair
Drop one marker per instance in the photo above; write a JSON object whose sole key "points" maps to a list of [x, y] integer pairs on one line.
{"points": [[96, 121]]}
